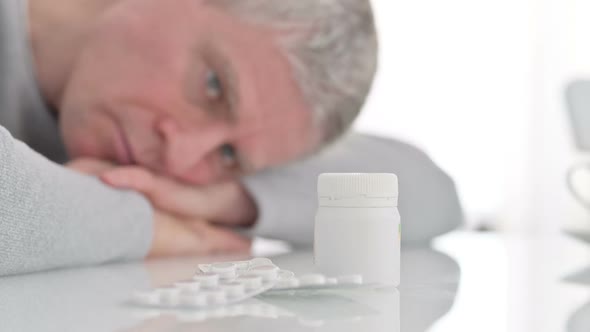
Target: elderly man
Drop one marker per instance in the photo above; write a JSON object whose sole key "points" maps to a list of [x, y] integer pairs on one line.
{"points": [[177, 100]]}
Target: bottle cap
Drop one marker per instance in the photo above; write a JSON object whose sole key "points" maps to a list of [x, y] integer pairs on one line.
{"points": [[358, 189]]}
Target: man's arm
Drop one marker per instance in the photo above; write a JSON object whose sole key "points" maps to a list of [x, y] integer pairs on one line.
{"points": [[281, 203], [53, 217], [287, 199]]}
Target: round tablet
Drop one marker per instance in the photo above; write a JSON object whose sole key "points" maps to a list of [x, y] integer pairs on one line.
{"points": [[287, 283], [331, 281], [266, 272], [189, 285], [207, 279], [284, 274], [354, 279], [312, 280], [259, 261], [193, 300], [242, 264], [233, 289], [225, 270], [215, 296], [250, 281], [204, 268]]}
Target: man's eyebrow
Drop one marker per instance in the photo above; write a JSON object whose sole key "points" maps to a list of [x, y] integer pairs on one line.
{"points": [[229, 81], [230, 84]]}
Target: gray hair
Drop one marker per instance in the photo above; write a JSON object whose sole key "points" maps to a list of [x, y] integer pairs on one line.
{"points": [[333, 52]]}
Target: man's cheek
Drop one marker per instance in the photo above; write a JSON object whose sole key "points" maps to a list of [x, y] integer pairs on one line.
{"points": [[86, 139], [83, 146]]}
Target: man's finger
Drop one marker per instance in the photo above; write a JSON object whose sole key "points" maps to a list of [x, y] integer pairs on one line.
{"points": [[89, 166], [132, 178], [163, 193], [224, 203]]}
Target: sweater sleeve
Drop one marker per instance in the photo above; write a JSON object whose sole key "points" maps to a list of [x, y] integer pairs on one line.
{"points": [[52, 217], [286, 197]]}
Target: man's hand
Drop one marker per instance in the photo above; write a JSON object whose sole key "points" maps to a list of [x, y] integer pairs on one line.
{"points": [[225, 203], [175, 234]]}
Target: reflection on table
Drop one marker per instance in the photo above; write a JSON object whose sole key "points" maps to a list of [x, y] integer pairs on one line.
{"points": [[95, 299]]}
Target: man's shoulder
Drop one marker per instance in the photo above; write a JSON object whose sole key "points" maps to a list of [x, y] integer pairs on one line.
{"points": [[23, 111]]}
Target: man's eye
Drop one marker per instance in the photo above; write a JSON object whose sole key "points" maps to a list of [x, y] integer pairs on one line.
{"points": [[229, 156], [214, 89]]}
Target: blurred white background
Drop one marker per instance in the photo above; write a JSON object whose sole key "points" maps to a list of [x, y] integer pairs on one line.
{"points": [[479, 86]]}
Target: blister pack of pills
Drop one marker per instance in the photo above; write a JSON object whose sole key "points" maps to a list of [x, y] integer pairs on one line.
{"points": [[317, 281], [225, 283]]}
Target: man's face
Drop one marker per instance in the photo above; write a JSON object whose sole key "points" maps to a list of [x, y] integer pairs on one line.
{"points": [[185, 90]]}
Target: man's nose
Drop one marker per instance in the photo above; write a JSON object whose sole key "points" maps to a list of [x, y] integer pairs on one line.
{"points": [[187, 152]]}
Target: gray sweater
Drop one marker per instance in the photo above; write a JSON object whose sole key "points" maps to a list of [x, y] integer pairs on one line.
{"points": [[52, 217]]}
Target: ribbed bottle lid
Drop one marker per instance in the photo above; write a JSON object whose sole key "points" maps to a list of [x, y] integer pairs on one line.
{"points": [[336, 186]]}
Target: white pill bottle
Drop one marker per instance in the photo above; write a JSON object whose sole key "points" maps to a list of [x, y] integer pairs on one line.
{"points": [[357, 226]]}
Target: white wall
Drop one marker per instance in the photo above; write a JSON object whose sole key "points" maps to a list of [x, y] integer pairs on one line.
{"points": [[455, 80], [478, 84]]}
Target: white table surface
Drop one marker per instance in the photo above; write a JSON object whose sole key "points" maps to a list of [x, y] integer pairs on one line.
{"points": [[469, 282]]}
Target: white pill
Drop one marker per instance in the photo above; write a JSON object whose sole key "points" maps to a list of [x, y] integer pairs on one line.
{"points": [[148, 297], [233, 289], [193, 299], [188, 285], [331, 281], [287, 283], [207, 279], [312, 280], [284, 274], [260, 261], [168, 295], [225, 270], [215, 296], [241, 265], [266, 272], [354, 279], [204, 268], [250, 281]]}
